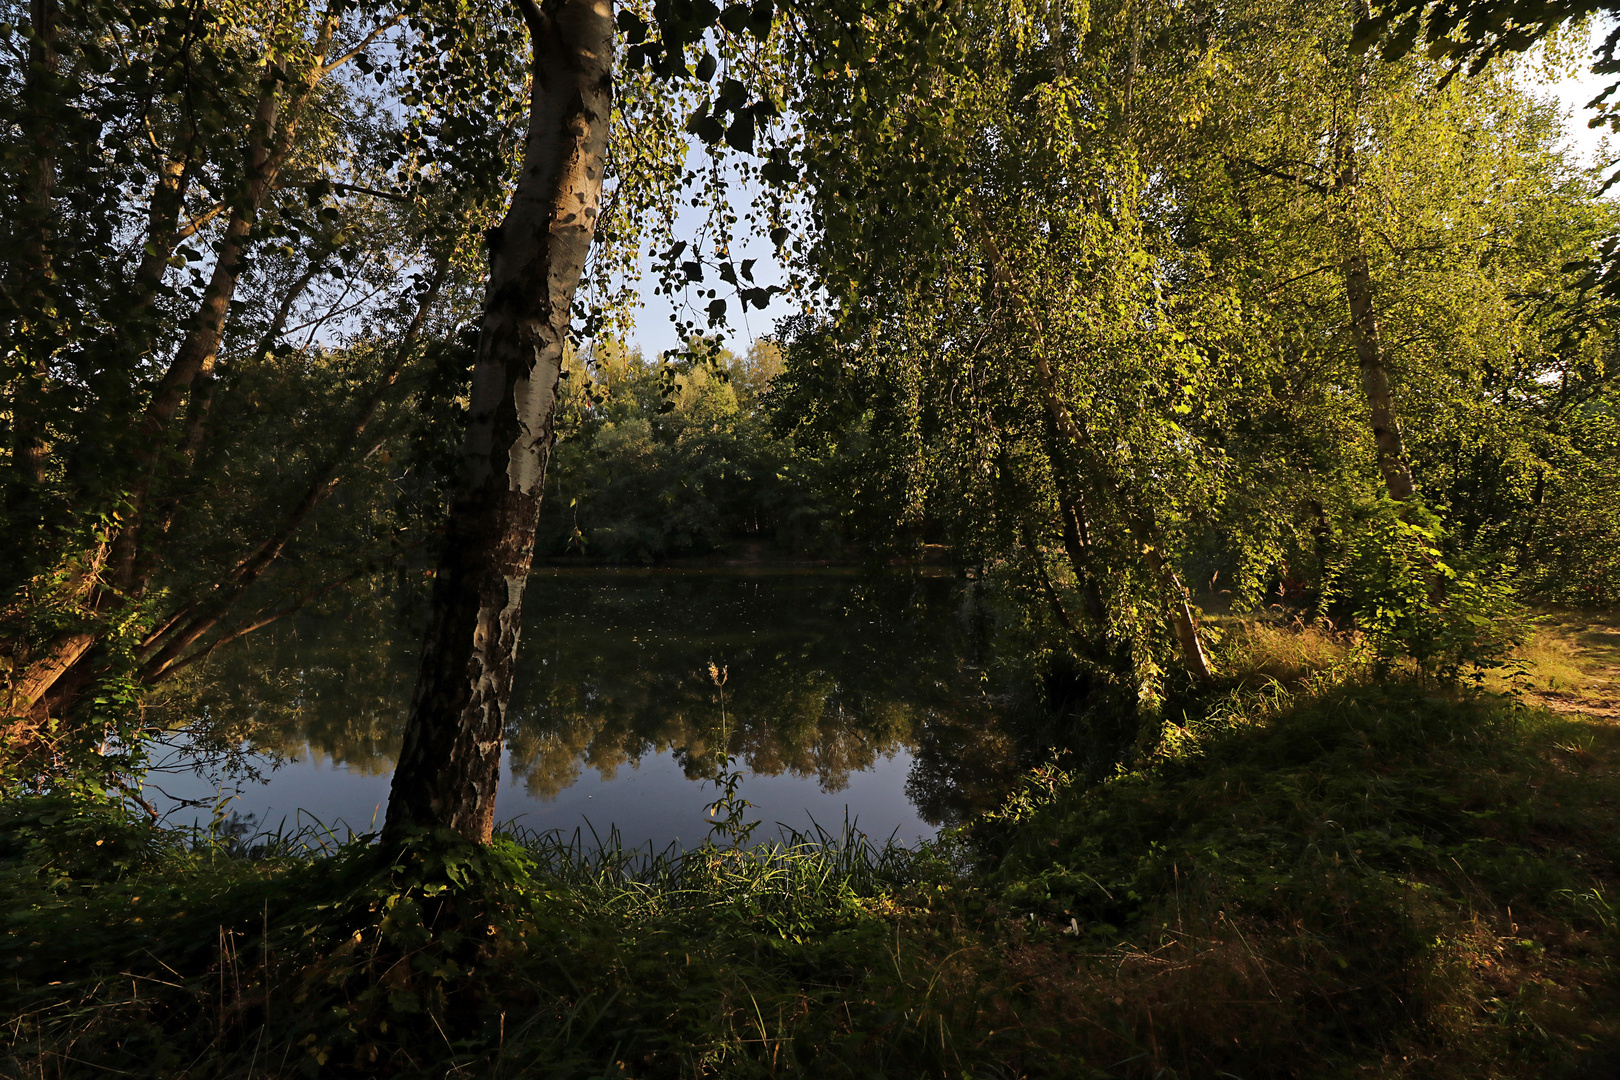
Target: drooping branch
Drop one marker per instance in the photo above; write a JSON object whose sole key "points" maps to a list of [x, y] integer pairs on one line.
{"points": [[1279, 173], [1143, 526]]}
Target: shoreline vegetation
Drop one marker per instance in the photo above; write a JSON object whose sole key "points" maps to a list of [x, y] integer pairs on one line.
{"points": [[1318, 872]]}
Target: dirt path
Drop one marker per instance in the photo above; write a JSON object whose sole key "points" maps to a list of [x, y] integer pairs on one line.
{"points": [[1572, 665]]}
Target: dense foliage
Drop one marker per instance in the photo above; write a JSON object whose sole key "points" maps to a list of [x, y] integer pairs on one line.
{"points": [[1116, 295], [1123, 305], [678, 457]]}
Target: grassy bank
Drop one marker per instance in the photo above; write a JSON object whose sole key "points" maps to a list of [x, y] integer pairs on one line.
{"points": [[1359, 881]]}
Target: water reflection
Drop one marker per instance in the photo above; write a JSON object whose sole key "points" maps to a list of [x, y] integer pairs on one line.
{"points": [[828, 675]]}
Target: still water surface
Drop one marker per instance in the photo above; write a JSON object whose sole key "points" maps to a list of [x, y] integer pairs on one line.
{"points": [[842, 693]]}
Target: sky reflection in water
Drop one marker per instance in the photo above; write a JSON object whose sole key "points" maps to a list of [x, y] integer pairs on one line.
{"points": [[842, 691]]}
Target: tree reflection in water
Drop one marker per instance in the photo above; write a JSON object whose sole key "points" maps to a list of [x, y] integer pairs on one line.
{"points": [[829, 671]]}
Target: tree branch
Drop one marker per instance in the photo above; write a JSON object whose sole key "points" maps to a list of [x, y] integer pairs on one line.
{"points": [[365, 43], [257, 624], [534, 18], [1279, 174], [199, 221]]}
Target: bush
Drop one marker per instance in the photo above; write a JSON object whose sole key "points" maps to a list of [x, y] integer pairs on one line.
{"points": [[1410, 602]]}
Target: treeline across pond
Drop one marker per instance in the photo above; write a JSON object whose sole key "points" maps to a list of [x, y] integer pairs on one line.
{"points": [[660, 458]]}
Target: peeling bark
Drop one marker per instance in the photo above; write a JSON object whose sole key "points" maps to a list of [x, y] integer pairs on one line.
{"points": [[450, 760]]}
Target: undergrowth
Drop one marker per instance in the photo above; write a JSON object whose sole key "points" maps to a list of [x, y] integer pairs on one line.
{"points": [[1387, 879], [1358, 881]]}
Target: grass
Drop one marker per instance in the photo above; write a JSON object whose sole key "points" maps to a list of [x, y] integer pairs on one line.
{"points": [[1372, 881], [1572, 662], [1265, 651], [1348, 880]]}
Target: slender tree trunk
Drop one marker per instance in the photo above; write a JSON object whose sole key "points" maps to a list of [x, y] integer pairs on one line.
{"points": [[168, 198], [278, 321], [40, 97], [1076, 534], [268, 146], [450, 760], [1375, 382], [1037, 561], [1182, 623], [203, 391], [199, 347], [1361, 293], [163, 222], [1532, 520], [274, 126]]}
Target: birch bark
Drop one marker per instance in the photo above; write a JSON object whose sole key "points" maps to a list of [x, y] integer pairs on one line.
{"points": [[450, 760]]}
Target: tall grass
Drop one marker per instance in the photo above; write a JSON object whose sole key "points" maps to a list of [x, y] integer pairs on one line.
{"points": [[206, 956], [815, 868]]}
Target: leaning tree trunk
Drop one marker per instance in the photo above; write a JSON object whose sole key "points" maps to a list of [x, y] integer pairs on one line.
{"points": [[269, 144], [450, 761]]}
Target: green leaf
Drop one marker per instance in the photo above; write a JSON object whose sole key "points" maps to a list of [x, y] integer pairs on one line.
{"points": [[740, 135], [632, 26]]}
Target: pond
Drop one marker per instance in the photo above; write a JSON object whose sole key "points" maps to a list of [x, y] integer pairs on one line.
{"points": [[837, 693]]}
